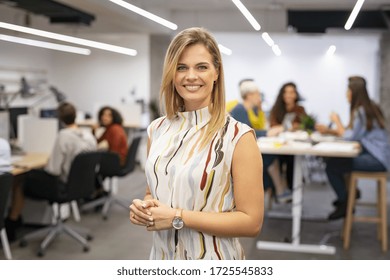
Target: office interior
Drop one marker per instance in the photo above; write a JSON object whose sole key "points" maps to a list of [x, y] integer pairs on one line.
{"points": [[34, 80]]}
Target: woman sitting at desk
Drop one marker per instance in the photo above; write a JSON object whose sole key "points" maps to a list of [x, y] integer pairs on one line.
{"points": [[114, 137], [367, 126], [286, 115]]}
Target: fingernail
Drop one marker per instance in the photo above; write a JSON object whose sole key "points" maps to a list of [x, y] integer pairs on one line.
{"points": [[143, 205], [149, 213], [151, 219], [150, 224]]}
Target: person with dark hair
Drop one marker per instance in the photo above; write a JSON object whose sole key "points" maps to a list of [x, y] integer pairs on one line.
{"points": [[114, 135], [70, 141], [286, 115], [366, 126]]}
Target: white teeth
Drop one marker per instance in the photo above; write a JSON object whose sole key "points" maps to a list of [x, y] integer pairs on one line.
{"points": [[192, 88]]}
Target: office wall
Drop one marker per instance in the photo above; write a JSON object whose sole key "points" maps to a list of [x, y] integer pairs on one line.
{"points": [[321, 80], [101, 77], [105, 77]]}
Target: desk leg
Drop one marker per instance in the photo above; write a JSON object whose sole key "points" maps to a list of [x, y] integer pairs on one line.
{"points": [[296, 210]]}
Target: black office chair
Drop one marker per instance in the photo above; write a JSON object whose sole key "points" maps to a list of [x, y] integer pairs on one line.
{"points": [[5, 188], [80, 184], [110, 168]]}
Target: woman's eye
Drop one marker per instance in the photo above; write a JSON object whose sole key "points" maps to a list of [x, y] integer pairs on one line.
{"points": [[181, 68], [202, 67]]}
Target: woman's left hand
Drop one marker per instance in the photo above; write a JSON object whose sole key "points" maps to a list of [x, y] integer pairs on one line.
{"points": [[162, 216]]}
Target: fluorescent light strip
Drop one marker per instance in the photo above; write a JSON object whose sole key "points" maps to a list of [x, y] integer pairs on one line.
{"points": [[247, 14], [353, 14], [276, 50], [70, 39], [224, 50], [45, 45], [331, 50], [146, 14], [268, 39]]}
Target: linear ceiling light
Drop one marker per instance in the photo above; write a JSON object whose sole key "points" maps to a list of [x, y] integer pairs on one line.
{"points": [[331, 50], [146, 14], [268, 39], [224, 50], [70, 39], [353, 14], [276, 50], [45, 45], [247, 14]]}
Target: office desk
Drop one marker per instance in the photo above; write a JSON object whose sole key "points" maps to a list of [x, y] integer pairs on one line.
{"points": [[299, 150], [22, 164]]}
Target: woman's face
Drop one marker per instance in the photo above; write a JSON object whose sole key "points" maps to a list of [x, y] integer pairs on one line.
{"points": [[195, 76], [289, 95], [349, 95], [106, 118]]}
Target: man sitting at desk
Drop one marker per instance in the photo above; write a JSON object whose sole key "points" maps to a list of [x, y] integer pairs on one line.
{"points": [[70, 141]]}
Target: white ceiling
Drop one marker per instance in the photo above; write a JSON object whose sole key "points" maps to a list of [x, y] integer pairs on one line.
{"points": [[216, 15]]}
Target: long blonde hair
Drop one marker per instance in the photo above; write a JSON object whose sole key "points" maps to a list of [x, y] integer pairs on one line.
{"points": [[172, 100]]}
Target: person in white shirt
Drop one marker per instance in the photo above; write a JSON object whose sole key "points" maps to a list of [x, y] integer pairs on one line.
{"points": [[5, 156]]}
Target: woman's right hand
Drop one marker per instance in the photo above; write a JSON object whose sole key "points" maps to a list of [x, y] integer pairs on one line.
{"points": [[140, 212]]}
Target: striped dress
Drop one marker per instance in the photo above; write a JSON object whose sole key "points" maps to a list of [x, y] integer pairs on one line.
{"points": [[181, 175]]}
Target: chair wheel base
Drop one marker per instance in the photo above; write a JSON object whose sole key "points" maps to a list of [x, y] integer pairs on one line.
{"points": [[23, 243], [89, 237], [40, 253], [86, 249]]}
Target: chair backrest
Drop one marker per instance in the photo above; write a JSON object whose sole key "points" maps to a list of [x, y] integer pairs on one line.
{"points": [[131, 156], [5, 188], [82, 176]]}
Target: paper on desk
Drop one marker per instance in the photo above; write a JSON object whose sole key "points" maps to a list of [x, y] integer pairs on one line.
{"points": [[335, 146]]}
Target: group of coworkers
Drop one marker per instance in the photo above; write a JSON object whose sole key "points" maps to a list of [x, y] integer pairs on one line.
{"points": [[70, 141], [204, 185], [366, 126]]}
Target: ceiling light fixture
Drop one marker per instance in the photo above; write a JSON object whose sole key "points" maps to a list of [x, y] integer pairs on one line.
{"points": [[331, 50], [70, 39], [276, 50], [353, 14], [45, 45], [247, 14], [268, 39], [224, 50], [146, 14]]}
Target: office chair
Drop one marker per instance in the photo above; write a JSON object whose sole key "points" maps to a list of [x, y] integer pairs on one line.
{"points": [[110, 168], [5, 188], [80, 184]]}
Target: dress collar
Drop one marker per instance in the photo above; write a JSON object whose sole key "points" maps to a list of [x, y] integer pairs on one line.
{"points": [[197, 117]]}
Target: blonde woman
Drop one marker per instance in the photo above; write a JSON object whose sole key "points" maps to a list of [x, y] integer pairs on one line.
{"points": [[204, 169]]}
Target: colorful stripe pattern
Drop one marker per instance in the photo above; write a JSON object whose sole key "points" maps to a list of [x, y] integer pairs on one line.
{"points": [[181, 174]]}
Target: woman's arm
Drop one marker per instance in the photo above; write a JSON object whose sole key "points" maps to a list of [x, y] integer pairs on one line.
{"points": [[247, 218]]}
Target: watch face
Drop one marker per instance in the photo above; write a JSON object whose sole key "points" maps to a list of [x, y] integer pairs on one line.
{"points": [[177, 223]]}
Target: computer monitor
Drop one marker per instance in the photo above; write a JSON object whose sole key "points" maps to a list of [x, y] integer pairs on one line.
{"points": [[48, 113], [14, 112]]}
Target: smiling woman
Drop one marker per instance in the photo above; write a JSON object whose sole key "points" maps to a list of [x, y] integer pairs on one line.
{"points": [[204, 168]]}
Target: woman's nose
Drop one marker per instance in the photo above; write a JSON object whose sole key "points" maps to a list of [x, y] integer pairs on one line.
{"points": [[191, 74]]}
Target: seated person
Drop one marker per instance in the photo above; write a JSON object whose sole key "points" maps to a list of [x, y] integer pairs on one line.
{"points": [[367, 126], [114, 135], [250, 113], [71, 141], [5, 156], [286, 115]]}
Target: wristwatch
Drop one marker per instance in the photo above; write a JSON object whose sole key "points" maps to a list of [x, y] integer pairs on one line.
{"points": [[177, 221]]}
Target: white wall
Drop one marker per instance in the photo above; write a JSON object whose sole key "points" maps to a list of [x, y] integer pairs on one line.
{"points": [[321, 80], [105, 77], [102, 77]]}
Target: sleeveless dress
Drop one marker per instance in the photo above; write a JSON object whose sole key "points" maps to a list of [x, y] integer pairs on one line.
{"points": [[182, 175]]}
